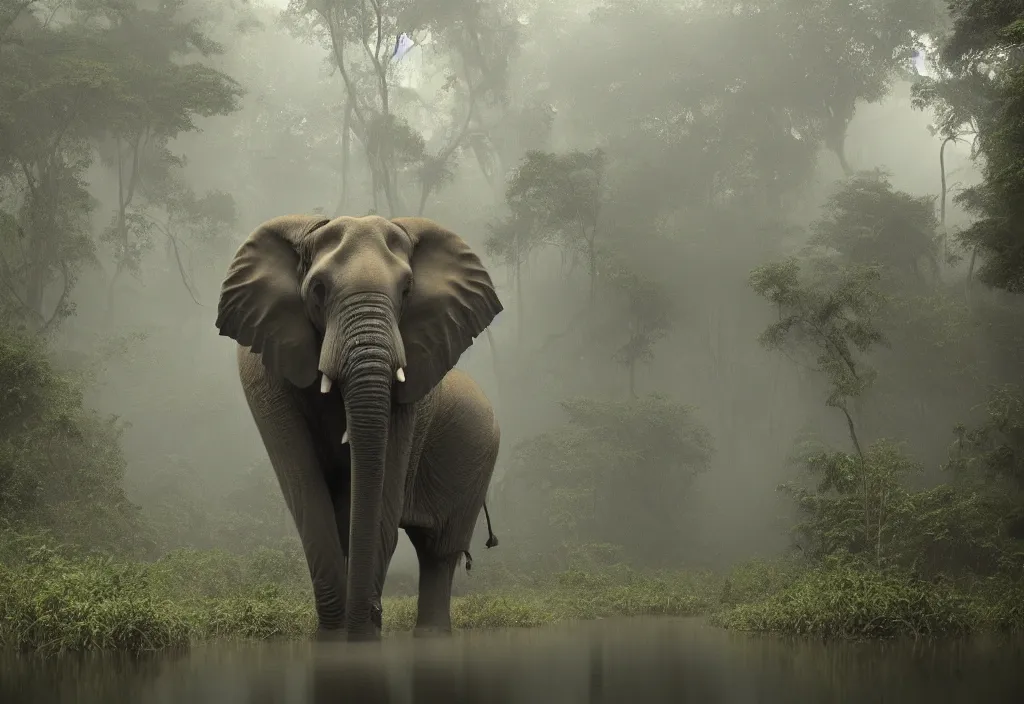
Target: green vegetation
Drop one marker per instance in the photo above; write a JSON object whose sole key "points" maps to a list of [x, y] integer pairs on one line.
{"points": [[850, 600], [61, 465], [53, 601]]}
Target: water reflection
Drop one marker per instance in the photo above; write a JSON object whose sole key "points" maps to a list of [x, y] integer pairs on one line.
{"points": [[656, 660]]}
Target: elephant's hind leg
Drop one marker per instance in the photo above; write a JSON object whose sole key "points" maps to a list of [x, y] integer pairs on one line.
{"points": [[433, 608], [440, 548], [448, 494]]}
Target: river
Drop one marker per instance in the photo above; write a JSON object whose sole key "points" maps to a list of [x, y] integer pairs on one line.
{"points": [[633, 660]]}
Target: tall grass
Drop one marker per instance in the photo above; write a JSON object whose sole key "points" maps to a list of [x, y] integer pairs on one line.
{"points": [[52, 601]]}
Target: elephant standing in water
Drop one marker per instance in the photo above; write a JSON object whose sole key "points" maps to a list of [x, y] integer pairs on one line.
{"points": [[378, 311]]}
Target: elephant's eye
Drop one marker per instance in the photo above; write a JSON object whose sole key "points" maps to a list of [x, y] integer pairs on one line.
{"points": [[317, 293]]}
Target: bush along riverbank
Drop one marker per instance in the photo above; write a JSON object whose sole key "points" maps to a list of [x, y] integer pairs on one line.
{"points": [[52, 602]]}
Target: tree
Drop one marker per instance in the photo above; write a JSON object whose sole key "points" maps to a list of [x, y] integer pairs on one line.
{"points": [[160, 98], [724, 128], [511, 240], [936, 357], [859, 504], [831, 319], [615, 473], [112, 67], [980, 92], [56, 89], [61, 465], [478, 34], [648, 310], [481, 40], [564, 193], [867, 223]]}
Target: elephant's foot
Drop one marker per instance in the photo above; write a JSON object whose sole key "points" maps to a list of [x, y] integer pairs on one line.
{"points": [[431, 632], [377, 615]]}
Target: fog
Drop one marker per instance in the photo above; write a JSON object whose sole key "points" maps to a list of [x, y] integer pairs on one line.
{"points": [[192, 449]]}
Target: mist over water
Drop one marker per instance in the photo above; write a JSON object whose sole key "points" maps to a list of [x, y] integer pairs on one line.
{"points": [[605, 662]]}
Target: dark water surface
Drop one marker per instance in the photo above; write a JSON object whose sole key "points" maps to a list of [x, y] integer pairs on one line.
{"points": [[634, 660]]}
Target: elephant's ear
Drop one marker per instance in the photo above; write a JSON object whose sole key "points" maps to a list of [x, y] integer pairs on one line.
{"points": [[451, 302], [260, 306]]}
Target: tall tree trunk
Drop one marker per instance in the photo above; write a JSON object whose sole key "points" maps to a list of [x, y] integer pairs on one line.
{"points": [[520, 314], [346, 154], [942, 201]]}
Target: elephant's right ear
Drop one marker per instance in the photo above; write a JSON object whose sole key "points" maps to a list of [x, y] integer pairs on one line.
{"points": [[260, 306]]}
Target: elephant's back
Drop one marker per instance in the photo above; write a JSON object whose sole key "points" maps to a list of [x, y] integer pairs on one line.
{"points": [[462, 402]]}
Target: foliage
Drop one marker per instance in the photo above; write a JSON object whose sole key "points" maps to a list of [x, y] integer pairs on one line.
{"points": [[718, 130], [616, 472], [980, 92], [832, 317], [866, 508], [560, 191], [54, 605], [859, 504], [846, 600], [866, 287], [552, 199], [994, 450], [55, 89], [985, 461], [475, 42], [162, 96], [111, 78], [649, 309], [555, 199], [867, 223], [53, 601], [61, 465]]}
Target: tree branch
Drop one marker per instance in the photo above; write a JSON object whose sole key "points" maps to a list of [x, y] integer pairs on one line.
{"points": [[8, 280], [177, 257], [339, 58], [62, 301]]}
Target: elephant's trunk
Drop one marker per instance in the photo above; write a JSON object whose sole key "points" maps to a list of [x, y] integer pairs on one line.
{"points": [[360, 350]]}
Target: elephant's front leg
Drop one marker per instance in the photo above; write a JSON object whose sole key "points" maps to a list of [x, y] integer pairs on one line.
{"points": [[401, 449], [341, 496], [290, 447]]}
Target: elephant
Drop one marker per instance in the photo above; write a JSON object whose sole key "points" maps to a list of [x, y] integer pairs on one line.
{"points": [[393, 436]]}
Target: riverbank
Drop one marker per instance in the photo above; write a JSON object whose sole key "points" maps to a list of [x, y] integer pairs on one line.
{"points": [[52, 602]]}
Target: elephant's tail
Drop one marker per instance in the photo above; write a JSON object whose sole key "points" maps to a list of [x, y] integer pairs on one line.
{"points": [[492, 539]]}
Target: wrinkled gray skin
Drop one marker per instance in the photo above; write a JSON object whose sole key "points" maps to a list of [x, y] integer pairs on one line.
{"points": [[349, 329]]}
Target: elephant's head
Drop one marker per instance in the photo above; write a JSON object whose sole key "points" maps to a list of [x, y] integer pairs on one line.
{"points": [[382, 309]]}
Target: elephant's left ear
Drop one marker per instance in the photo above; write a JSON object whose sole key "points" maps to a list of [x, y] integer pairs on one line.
{"points": [[451, 302]]}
